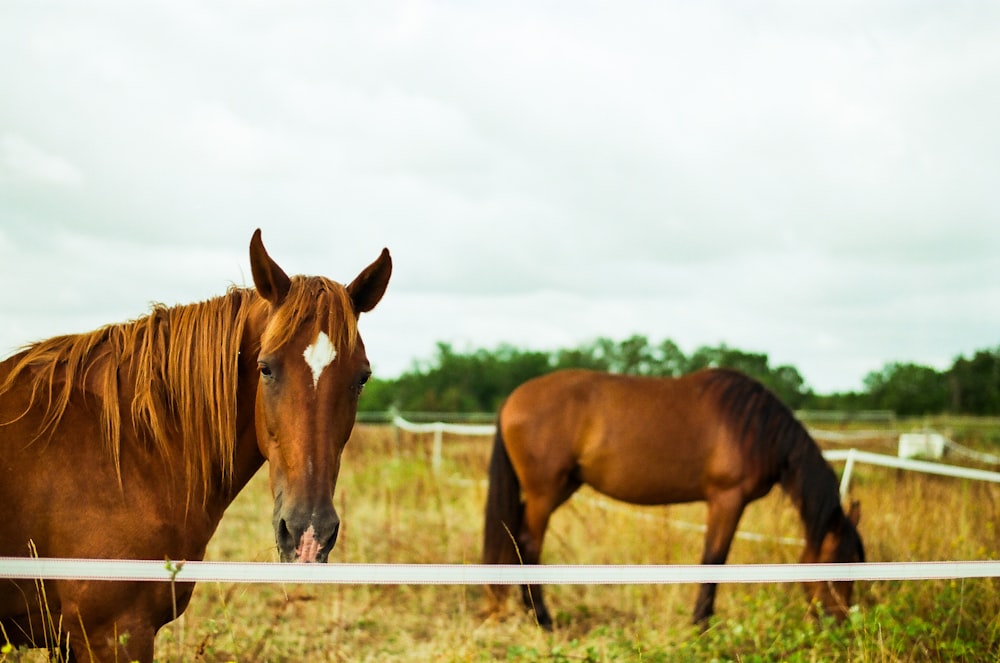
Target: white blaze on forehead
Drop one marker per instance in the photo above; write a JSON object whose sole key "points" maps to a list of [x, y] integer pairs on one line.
{"points": [[319, 355]]}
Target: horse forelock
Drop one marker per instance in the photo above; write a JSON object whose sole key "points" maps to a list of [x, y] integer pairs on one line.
{"points": [[782, 449], [180, 364], [318, 300]]}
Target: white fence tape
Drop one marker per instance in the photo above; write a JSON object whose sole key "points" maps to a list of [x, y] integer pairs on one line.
{"points": [[853, 455], [484, 574], [978, 456]]}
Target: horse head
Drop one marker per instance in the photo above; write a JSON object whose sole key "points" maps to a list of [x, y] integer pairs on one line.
{"points": [[842, 544], [312, 368]]}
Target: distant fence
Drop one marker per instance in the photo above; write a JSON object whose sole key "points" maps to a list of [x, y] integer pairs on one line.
{"points": [[438, 429]]}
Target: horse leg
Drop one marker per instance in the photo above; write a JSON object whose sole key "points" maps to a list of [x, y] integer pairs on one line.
{"points": [[724, 512], [118, 622], [116, 642], [538, 507], [537, 510]]}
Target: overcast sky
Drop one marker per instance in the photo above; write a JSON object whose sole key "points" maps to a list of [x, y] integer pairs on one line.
{"points": [[816, 181]]}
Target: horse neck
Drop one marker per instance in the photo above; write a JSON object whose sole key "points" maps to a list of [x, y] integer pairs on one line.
{"points": [[808, 480]]}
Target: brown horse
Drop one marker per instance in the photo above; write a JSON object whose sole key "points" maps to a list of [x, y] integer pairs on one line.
{"points": [[129, 442], [715, 436]]}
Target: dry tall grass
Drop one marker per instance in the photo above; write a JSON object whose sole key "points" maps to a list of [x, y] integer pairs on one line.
{"points": [[394, 509]]}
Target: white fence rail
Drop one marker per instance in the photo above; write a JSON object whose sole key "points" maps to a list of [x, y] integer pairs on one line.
{"points": [[482, 574], [852, 456]]}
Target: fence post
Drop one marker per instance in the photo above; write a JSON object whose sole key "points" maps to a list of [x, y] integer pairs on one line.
{"points": [[436, 453], [394, 418], [845, 479]]}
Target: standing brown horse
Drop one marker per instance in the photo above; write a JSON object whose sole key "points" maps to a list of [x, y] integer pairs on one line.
{"points": [[129, 442], [715, 436]]}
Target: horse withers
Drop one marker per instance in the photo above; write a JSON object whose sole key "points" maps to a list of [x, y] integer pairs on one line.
{"points": [[716, 436], [129, 442]]}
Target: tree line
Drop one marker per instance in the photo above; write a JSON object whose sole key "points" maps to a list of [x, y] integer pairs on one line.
{"points": [[478, 380]]}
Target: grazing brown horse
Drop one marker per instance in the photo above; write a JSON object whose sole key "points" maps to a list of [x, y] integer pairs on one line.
{"points": [[715, 436], [129, 442]]}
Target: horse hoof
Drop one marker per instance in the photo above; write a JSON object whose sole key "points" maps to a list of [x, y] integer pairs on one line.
{"points": [[544, 620]]}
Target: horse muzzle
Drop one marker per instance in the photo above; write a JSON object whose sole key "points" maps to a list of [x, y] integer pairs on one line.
{"points": [[307, 537]]}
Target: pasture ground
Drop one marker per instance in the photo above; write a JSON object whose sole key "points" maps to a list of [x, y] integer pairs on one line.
{"points": [[395, 509]]}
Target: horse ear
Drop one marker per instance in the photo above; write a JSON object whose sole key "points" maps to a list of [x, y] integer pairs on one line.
{"points": [[854, 513], [271, 281], [367, 289]]}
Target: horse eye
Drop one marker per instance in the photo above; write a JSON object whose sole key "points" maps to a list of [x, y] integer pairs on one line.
{"points": [[265, 370], [362, 380]]}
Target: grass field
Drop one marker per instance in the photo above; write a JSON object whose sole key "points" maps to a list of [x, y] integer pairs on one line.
{"points": [[395, 509]]}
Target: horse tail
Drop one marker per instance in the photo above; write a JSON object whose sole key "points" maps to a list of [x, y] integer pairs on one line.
{"points": [[504, 509]]}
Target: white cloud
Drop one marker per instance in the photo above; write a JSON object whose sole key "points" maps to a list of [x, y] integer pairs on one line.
{"points": [[814, 182], [22, 162]]}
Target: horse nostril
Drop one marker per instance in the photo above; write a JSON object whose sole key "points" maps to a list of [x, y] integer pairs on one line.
{"points": [[332, 539], [284, 535]]}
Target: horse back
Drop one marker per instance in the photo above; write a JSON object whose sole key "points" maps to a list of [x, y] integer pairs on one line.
{"points": [[644, 440]]}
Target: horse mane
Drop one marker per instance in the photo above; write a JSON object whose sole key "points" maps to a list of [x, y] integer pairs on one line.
{"points": [[180, 364], [783, 449]]}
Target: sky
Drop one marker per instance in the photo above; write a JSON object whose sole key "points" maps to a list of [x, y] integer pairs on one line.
{"points": [[816, 181]]}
